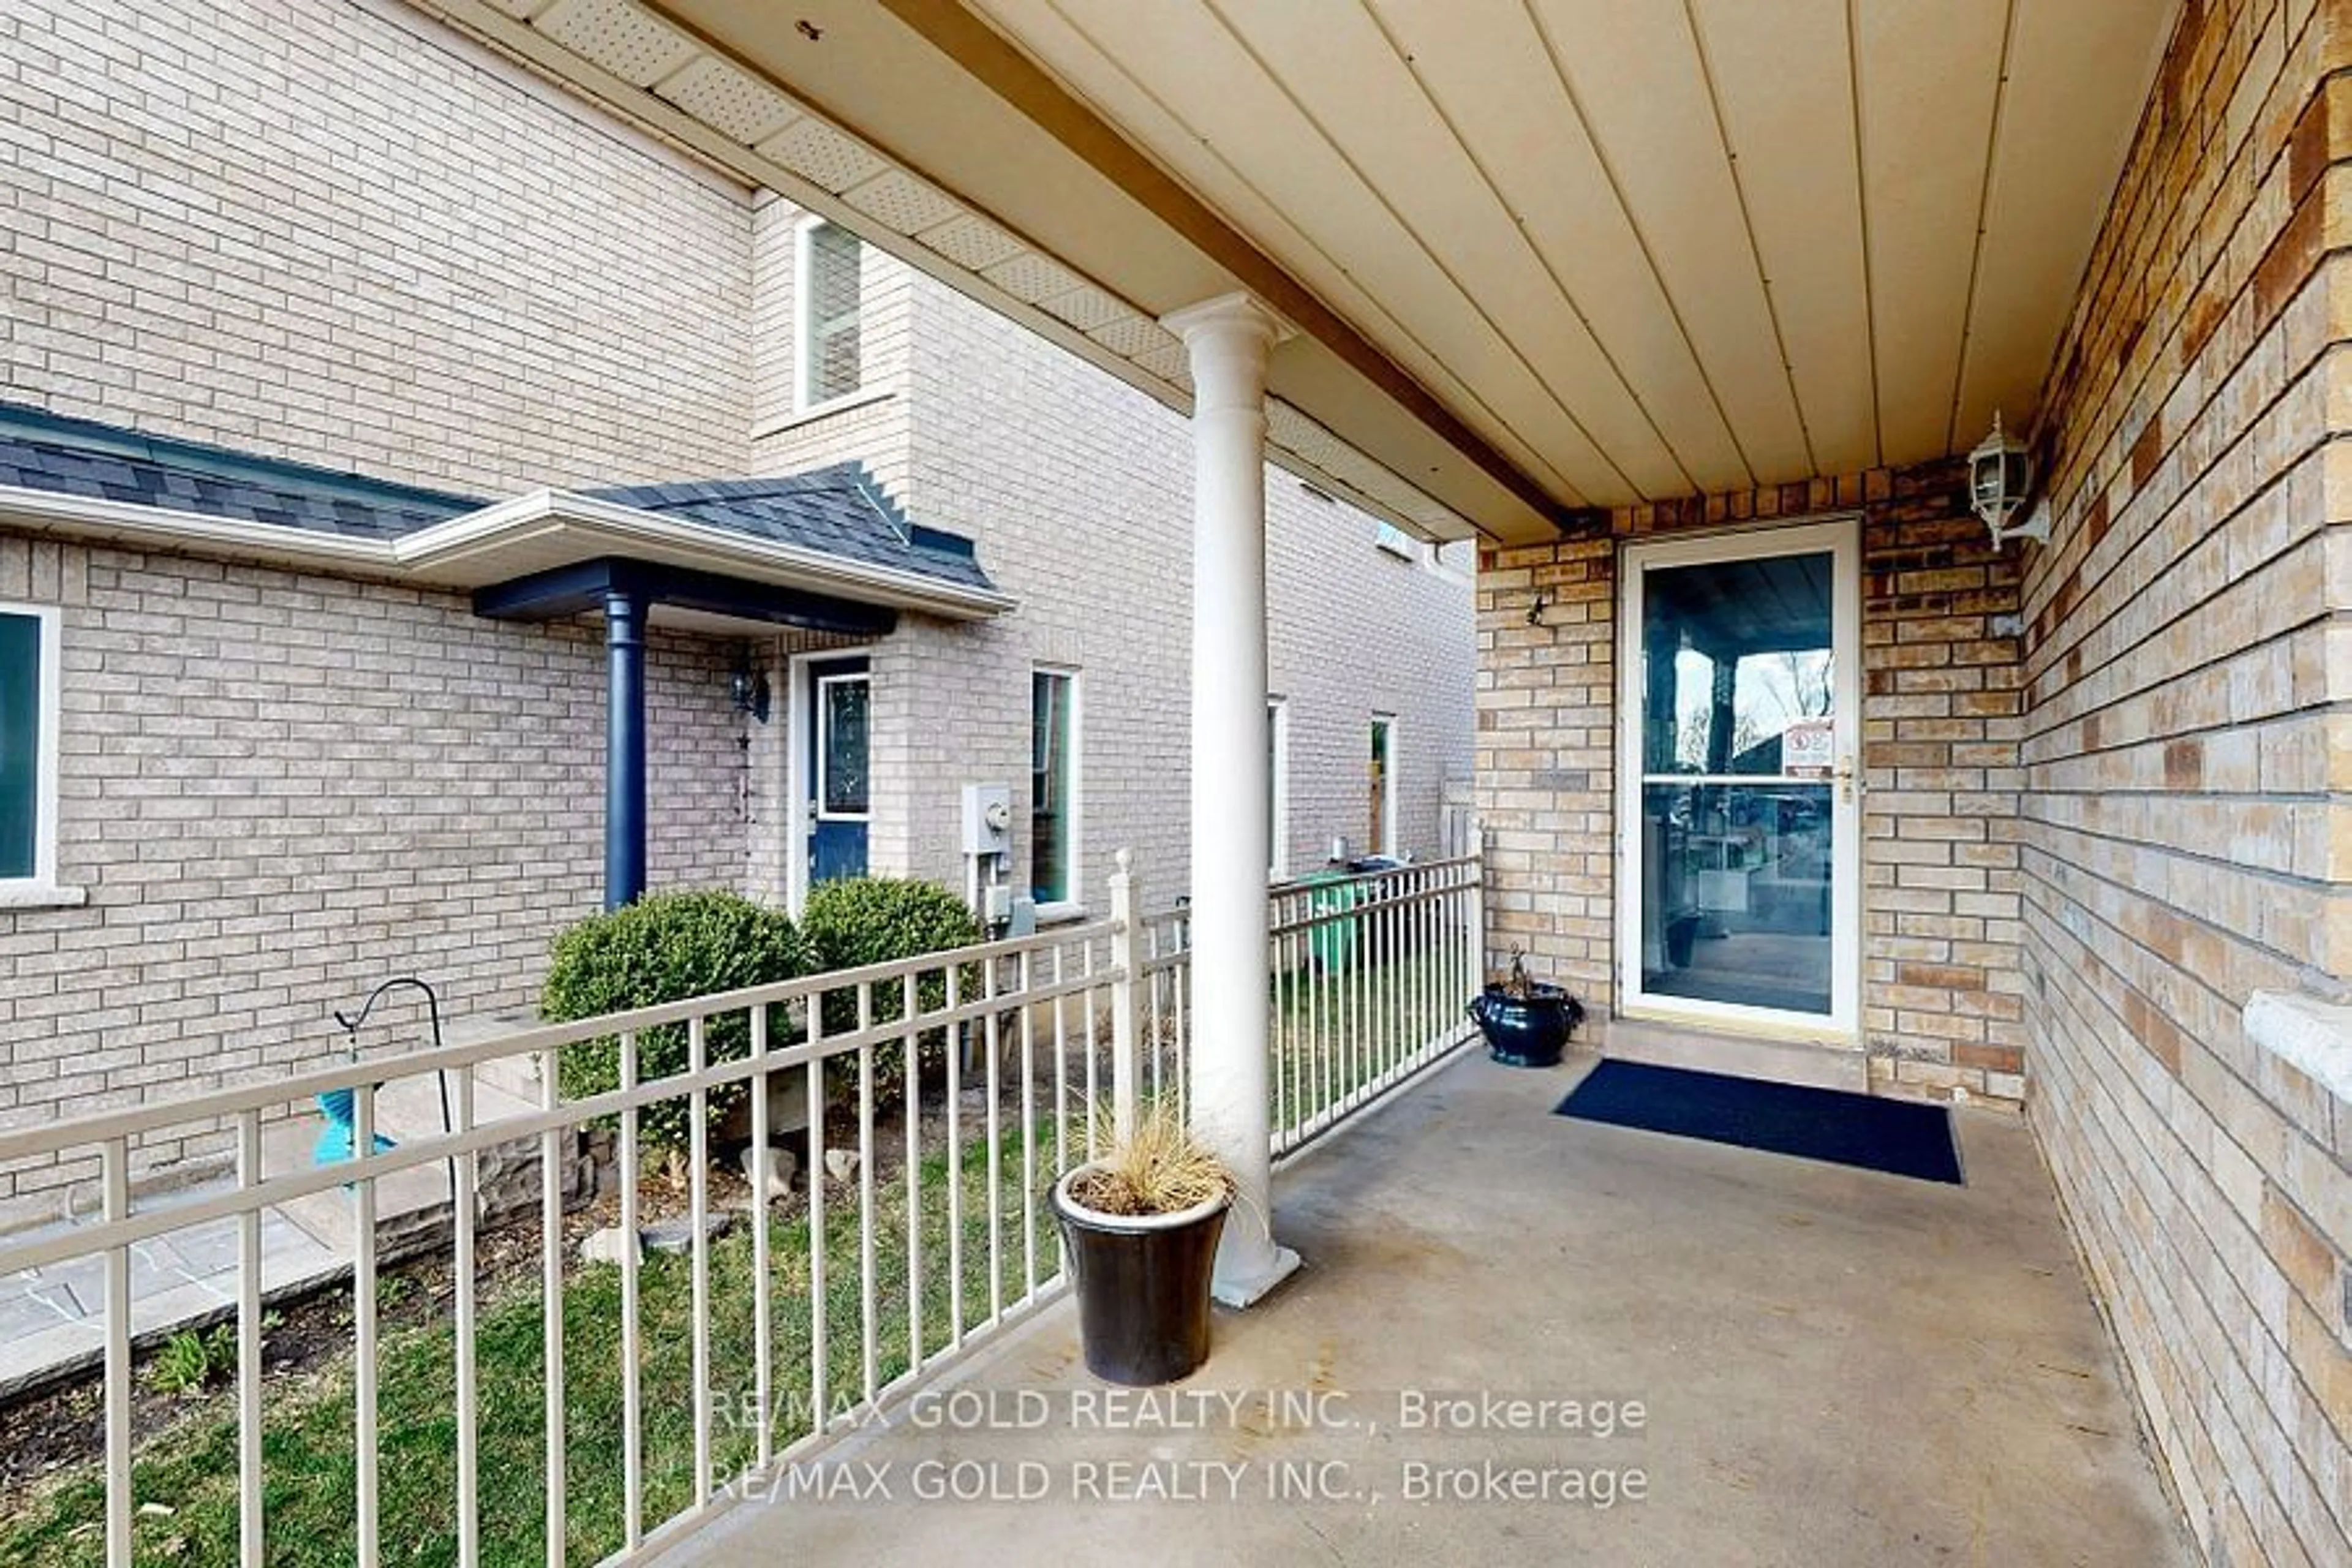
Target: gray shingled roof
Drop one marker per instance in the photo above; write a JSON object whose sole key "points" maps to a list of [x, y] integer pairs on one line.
{"points": [[44, 451], [839, 511]]}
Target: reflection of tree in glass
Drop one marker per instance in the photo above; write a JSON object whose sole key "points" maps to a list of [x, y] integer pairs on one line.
{"points": [[1807, 676], [1769, 691]]}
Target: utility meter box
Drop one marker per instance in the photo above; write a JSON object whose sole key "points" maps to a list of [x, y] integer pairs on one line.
{"points": [[987, 819]]}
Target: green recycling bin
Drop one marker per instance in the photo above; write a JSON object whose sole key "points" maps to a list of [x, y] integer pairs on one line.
{"points": [[1333, 946]]}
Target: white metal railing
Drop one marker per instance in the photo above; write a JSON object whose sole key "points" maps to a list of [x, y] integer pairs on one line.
{"points": [[939, 1237], [1372, 974], [1369, 975], [962, 1081]]}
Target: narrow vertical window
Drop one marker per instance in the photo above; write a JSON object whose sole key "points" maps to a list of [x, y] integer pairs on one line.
{"points": [[1053, 786], [1379, 828], [829, 361], [28, 746], [1277, 787]]}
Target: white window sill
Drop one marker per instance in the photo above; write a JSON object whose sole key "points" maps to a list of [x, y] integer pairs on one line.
{"points": [[1060, 914], [41, 896], [826, 410]]}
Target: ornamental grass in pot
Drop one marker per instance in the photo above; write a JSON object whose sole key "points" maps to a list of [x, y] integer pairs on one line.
{"points": [[1139, 1229]]}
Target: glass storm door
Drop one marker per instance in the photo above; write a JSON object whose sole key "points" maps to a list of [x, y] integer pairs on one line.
{"points": [[839, 693], [1740, 704]]}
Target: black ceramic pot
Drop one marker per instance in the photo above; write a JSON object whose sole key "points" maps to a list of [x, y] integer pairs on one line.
{"points": [[1525, 1031], [1682, 937], [1143, 1286]]}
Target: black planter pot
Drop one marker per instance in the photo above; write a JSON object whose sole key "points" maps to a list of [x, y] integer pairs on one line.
{"points": [[1525, 1031], [1682, 937], [1143, 1286]]}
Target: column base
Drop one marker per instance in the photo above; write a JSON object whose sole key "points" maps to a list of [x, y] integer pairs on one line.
{"points": [[1248, 1285]]}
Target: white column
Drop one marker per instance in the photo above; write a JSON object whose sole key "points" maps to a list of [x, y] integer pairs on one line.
{"points": [[1228, 340]]}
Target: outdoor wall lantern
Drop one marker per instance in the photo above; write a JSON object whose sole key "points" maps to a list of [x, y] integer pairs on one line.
{"points": [[750, 689], [2000, 475]]}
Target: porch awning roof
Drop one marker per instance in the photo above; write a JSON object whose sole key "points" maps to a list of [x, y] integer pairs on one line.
{"points": [[1542, 258], [829, 533]]}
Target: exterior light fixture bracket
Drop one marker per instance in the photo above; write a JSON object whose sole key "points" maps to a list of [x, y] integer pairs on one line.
{"points": [[2000, 478], [750, 689]]}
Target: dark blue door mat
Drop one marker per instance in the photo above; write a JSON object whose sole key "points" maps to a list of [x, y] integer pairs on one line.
{"points": [[1900, 1137]]}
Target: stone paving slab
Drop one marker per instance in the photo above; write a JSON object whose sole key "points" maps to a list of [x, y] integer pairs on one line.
{"points": [[54, 1316]]}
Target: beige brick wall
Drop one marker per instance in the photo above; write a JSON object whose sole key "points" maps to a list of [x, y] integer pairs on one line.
{"points": [[1941, 901], [337, 234], [333, 231], [1940, 889], [2187, 837], [280, 788], [1076, 489], [871, 427]]}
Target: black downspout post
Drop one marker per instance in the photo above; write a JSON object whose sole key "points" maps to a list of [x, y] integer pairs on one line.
{"points": [[625, 748]]}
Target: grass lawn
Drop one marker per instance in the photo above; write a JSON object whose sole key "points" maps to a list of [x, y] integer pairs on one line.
{"points": [[1334, 1032], [309, 1465], [1384, 1007]]}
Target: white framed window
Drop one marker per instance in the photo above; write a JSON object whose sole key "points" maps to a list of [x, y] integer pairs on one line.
{"points": [[1277, 787], [1054, 789], [29, 707], [1381, 794], [828, 265]]}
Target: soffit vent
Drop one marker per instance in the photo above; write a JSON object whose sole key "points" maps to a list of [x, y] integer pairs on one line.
{"points": [[619, 37], [728, 100]]}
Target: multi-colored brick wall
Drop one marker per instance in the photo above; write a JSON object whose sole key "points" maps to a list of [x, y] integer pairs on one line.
{"points": [[1941, 1003], [2186, 821]]}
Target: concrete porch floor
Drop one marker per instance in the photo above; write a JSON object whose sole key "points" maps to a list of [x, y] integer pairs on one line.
{"points": [[1836, 1367]]}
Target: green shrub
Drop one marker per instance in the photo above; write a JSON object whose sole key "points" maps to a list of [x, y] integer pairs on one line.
{"points": [[669, 947], [875, 920]]}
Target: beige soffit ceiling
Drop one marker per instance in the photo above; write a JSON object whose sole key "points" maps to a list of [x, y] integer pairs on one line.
{"points": [[1545, 254]]}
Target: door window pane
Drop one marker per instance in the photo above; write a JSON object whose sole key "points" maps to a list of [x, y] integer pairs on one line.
{"points": [[1734, 653], [1735, 894], [20, 744], [1052, 780], [844, 716]]}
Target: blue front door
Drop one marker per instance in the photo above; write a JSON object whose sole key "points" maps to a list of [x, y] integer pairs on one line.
{"points": [[839, 691]]}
